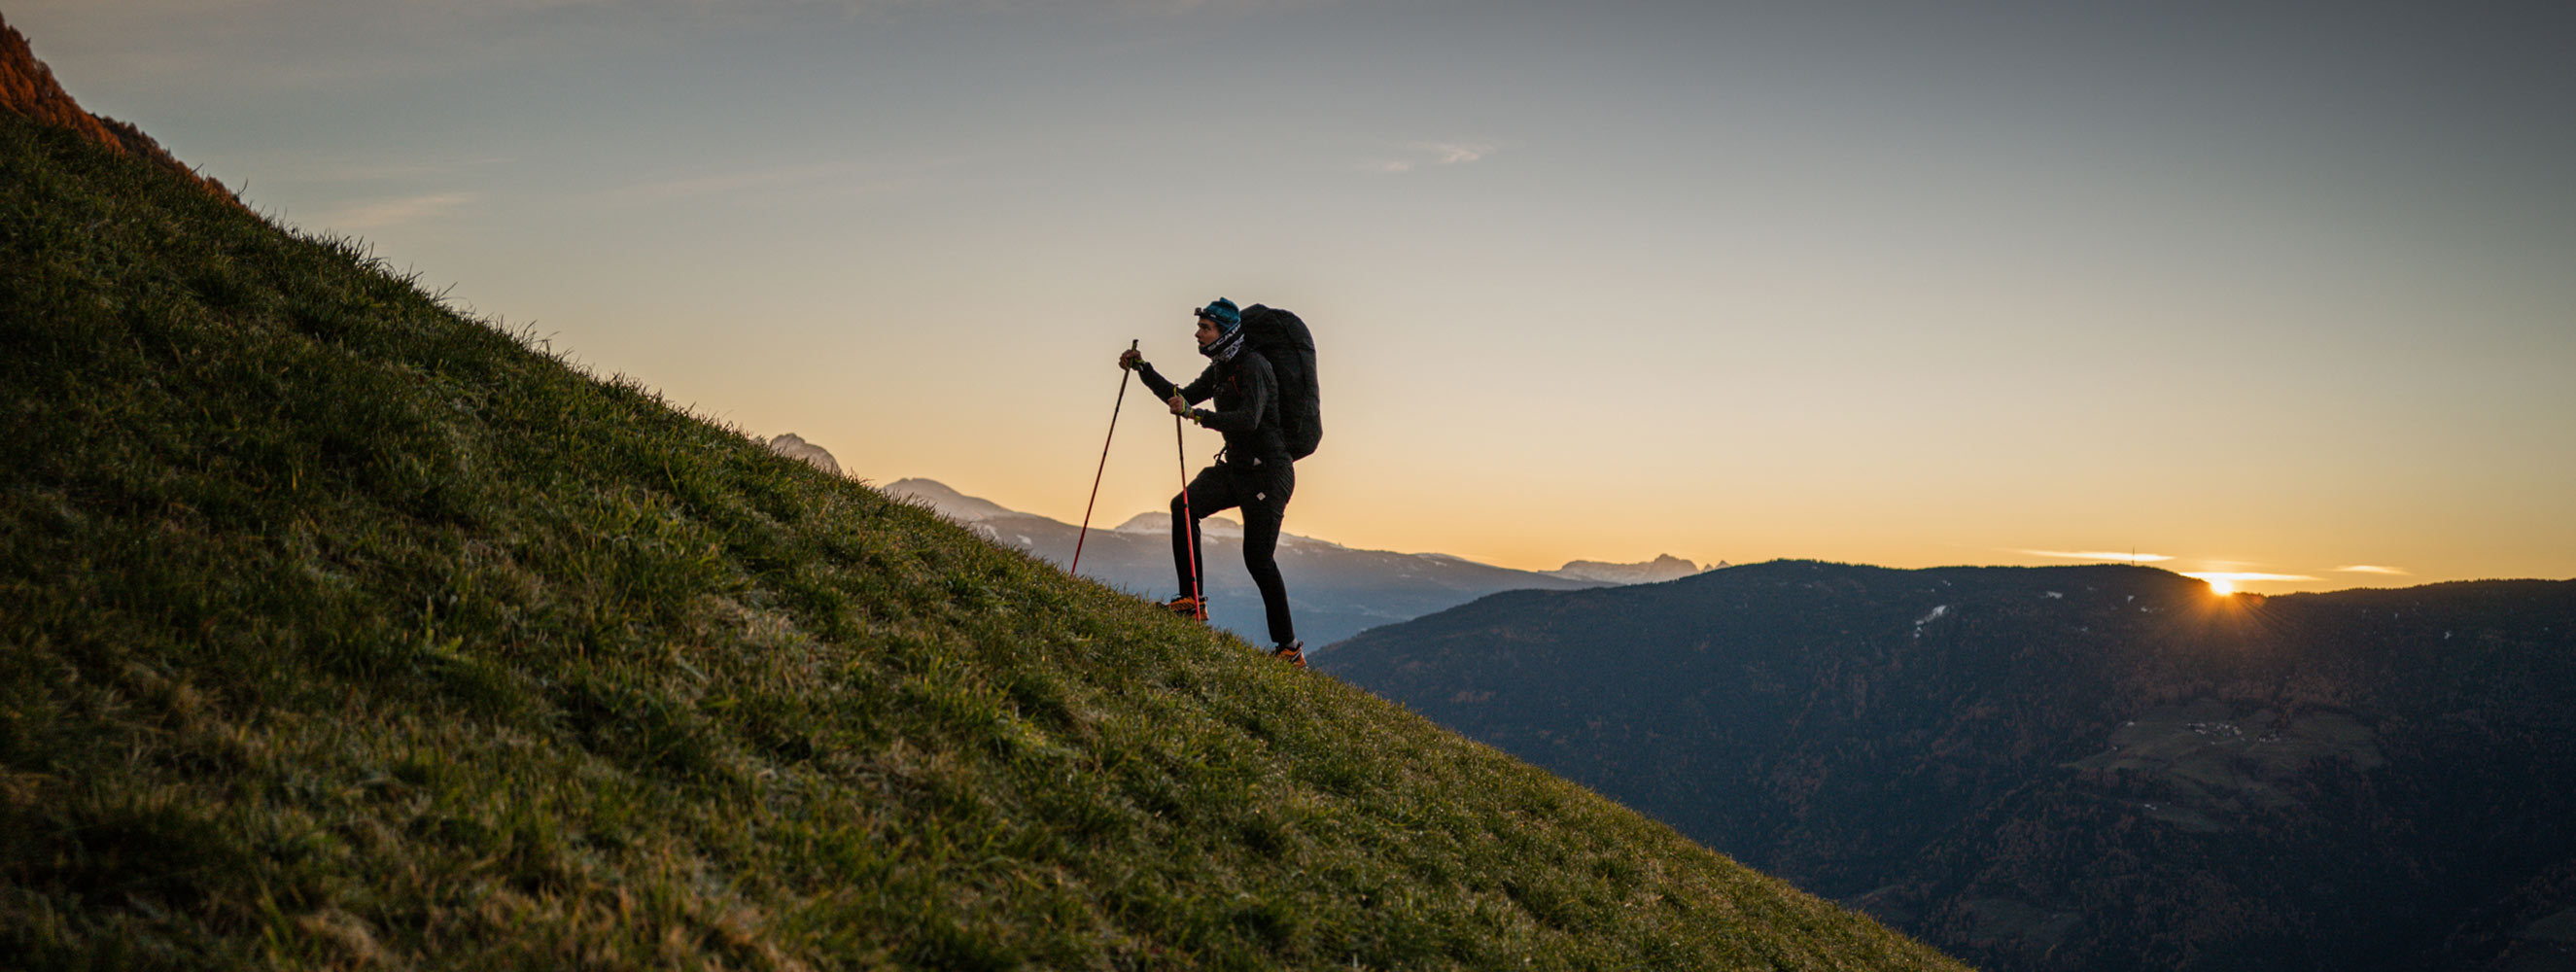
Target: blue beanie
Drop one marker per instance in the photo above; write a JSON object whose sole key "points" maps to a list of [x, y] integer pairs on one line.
{"points": [[1223, 313]]}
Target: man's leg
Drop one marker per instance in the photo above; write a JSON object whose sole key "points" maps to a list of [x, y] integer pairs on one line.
{"points": [[1263, 512], [1211, 490]]}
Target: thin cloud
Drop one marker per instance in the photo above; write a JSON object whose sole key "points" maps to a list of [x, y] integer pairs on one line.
{"points": [[1417, 155], [2371, 569], [2143, 558], [395, 212], [804, 182], [1194, 7], [400, 171], [728, 183], [1454, 153], [2243, 577]]}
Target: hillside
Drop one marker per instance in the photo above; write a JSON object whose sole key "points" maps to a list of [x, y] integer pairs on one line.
{"points": [[342, 631], [2098, 768]]}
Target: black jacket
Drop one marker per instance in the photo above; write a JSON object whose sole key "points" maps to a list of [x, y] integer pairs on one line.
{"points": [[1247, 407]]}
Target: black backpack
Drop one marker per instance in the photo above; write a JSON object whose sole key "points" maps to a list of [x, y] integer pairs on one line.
{"points": [[1283, 339]]}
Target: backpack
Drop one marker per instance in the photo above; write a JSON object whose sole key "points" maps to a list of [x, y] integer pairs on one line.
{"points": [[1284, 340]]}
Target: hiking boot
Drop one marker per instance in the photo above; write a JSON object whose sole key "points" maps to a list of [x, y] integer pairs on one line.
{"points": [[1293, 653], [1188, 607]]}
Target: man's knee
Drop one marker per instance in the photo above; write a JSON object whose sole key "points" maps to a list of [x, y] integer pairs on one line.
{"points": [[1266, 514], [1180, 507]]}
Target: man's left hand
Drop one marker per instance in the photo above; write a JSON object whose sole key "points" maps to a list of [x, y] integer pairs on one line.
{"points": [[1180, 406]]}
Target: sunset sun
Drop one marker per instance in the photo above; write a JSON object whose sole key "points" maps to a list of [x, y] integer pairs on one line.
{"points": [[2222, 586]]}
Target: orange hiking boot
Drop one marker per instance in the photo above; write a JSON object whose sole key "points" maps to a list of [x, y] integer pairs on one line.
{"points": [[1188, 607], [1293, 653]]}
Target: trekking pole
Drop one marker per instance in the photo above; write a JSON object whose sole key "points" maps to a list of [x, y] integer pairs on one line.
{"points": [[1104, 465], [1198, 591]]}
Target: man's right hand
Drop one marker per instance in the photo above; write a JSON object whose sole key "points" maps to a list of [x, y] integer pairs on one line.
{"points": [[1129, 359]]}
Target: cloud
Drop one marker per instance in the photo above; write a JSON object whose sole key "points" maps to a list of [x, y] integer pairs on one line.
{"points": [[1417, 155], [802, 182], [2143, 558], [2243, 577], [2370, 569], [400, 171], [1454, 153], [394, 212], [728, 183], [1192, 7]]}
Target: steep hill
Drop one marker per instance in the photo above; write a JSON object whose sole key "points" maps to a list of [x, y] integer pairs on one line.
{"points": [[337, 630], [2101, 768]]}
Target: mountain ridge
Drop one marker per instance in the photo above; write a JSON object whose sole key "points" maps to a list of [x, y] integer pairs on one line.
{"points": [[1334, 591], [2096, 767], [957, 505], [1663, 568]]}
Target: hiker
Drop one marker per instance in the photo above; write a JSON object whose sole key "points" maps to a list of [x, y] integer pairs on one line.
{"points": [[1254, 471]]}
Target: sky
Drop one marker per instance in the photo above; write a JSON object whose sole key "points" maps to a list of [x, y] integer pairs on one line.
{"points": [[2278, 290]]}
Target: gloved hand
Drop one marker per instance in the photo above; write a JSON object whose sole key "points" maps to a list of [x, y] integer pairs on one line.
{"points": [[1180, 406], [1129, 359]]}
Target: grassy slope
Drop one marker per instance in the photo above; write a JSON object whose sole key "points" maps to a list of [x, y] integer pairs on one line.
{"points": [[335, 629]]}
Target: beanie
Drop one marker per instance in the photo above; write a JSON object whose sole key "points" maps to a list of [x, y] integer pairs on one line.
{"points": [[1223, 312]]}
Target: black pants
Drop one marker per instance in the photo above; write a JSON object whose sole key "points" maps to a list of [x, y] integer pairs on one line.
{"points": [[1263, 495]]}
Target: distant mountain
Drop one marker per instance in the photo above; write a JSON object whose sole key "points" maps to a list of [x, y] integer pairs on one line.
{"points": [[789, 445], [2100, 768], [1663, 568], [948, 502], [1334, 591]]}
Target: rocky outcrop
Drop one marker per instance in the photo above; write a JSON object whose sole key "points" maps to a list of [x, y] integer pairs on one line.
{"points": [[787, 444]]}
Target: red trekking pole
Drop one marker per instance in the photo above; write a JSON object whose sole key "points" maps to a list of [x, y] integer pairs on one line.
{"points": [[1198, 593], [1104, 465]]}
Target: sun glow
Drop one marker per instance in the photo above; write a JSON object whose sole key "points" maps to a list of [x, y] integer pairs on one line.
{"points": [[2225, 582]]}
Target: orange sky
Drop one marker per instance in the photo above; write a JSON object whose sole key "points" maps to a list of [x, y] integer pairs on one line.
{"points": [[1906, 286]]}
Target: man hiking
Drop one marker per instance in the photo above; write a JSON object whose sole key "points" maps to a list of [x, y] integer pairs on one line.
{"points": [[1254, 471]]}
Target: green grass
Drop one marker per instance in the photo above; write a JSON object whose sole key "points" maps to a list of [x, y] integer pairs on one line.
{"points": [[338, 630]]}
